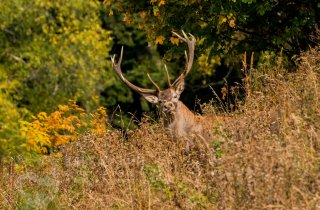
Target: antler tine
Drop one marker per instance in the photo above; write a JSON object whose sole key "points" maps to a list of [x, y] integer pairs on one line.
{"points": [[120, 59], [192, 37], [178, 35], [189, 56], [186, 56], [117, 69], [153, 82], [168, 76]]}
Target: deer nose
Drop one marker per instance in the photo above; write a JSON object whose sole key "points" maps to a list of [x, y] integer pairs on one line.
{"points": [[169, 106]]}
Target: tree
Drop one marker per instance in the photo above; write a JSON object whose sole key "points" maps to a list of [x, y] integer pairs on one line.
{"points": [[54, 51], [50, 52], [225, 29]]}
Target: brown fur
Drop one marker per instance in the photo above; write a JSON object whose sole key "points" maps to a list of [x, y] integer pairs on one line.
{"points": [[183, 123]]}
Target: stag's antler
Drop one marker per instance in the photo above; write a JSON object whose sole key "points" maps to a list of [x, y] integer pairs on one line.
{"points": [[189, 57], [189, 61], [117, 68], [168, 76]]}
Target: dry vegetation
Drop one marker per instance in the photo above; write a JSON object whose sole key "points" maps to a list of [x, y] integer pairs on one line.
{"points": [[268, 157]]}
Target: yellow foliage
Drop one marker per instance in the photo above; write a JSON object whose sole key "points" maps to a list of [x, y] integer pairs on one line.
{"points": [[206, 65], [232, 23], [127, 18], [107, 2], [62, 126], [98, 122], [159, 40], [161, 2], [143, 14], [174, 40], [224, 92], [156, 11], [63, 108]]}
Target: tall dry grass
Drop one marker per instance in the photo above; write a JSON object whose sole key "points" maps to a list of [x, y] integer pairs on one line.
{"points": [[267, 157]]}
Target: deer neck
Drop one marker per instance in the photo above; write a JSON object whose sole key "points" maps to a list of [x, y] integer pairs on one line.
{"points": [[177, 122]]}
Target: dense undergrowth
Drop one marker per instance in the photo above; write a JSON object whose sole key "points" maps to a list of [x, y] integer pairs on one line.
{"points": [[267, 157]]}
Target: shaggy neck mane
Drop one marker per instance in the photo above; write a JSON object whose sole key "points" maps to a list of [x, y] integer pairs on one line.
{"points": [[182, 113]]}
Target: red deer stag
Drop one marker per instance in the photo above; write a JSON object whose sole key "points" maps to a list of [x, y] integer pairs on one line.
{"points": [[179, 121]]}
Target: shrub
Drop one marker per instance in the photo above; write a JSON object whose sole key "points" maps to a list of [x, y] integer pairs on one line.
{"points": [[47, 132]]}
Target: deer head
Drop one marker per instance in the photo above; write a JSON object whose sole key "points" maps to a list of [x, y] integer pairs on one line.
{"points": [[166, 99]]}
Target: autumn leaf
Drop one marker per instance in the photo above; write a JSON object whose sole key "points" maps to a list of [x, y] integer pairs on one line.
{"points": [[224, 93], [61, 127], [42, 116], [161, 2], [143, 14], [127, 18], [159, 40], [156, 11], [63, 108], [174, 40], [232, 23], [107, 2]]}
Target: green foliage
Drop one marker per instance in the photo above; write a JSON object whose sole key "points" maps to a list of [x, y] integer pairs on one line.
{"points": [[50, 52], [187, 191], [10, 141], [217, 149], [225, 29], [55, 51], [153, 174]]}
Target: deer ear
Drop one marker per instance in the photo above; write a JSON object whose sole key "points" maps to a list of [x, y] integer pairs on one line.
{"points": [[151, 98], [179, 88]]}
